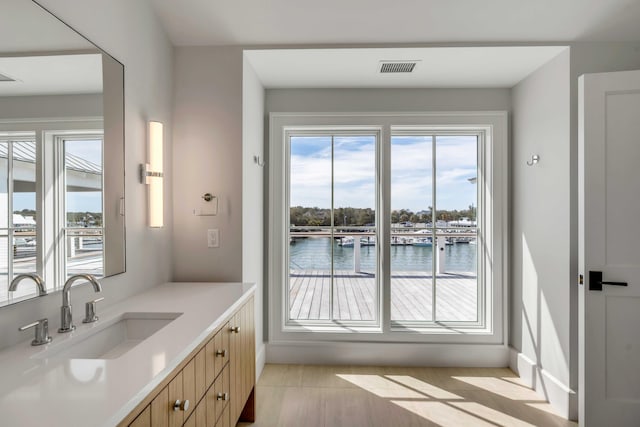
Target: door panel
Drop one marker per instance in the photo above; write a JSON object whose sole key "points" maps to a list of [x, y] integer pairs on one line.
{"points": [[609, 154], [622, 350], [622, 158]]}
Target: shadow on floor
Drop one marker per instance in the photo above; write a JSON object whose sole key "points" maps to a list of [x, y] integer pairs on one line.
{"points": [[353, 396]]}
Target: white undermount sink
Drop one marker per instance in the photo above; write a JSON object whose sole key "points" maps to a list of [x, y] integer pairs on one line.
{"points": [[111, 339]]}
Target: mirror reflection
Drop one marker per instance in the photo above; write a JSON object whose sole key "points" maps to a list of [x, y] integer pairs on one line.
{"points": [[61, 153]]}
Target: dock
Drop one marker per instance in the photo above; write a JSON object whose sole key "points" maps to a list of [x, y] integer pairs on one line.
{"points": [[354, 296]]}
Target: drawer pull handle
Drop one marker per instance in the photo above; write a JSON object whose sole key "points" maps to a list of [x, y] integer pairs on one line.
{"points": [[181, 405], [221, 353], [222, 396], [235, 329]]}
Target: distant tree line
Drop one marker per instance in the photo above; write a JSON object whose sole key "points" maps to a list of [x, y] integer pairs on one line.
{"points": [[85, 219], [304, 216]]}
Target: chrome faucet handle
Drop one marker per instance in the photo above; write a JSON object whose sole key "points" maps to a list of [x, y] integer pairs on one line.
{"points": [[90, 311], [42, 331], [66, 319]]}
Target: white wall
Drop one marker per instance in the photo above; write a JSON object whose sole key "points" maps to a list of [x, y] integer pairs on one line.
{"points": [[252, 197], [130, 32], [219, 126], [207, 156], [386, 100], [541, 222], [46, 106]]}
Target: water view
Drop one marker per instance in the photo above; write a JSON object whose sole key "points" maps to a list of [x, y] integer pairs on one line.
{"points": [[315, 254]]}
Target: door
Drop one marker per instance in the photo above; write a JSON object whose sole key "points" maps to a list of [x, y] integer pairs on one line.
{"points": [[609, 239]]}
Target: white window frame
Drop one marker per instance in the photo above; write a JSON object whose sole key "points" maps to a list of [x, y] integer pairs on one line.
{"points": [[493, 125], [60, 185]]}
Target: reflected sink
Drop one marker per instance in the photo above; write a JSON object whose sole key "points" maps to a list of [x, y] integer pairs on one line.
{"points": [[110, 339]]}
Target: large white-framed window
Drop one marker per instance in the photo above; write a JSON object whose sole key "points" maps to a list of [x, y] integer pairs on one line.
{"points": [[483, 221]]}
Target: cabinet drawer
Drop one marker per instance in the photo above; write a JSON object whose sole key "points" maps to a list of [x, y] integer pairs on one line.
{"points": [[218, 397], [222, 351], [163, 412], [217, 354]]}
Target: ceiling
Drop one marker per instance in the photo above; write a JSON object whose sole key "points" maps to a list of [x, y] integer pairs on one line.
{"points": [[446, 67], [43, 55], [304, 22], [26, 27], [51, 75]]}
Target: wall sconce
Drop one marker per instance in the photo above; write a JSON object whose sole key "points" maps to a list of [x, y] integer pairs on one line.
{"points": [[151, 174]]}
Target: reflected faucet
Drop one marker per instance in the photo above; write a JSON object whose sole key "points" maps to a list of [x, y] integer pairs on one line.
{"points": [[66, 320], [33, 276]]}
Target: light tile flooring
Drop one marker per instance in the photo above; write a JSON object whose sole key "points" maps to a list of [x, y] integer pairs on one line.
{"points": [[359, 396]]}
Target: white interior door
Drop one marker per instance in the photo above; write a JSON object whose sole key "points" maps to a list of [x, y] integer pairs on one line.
{"points": [[609, 211]]}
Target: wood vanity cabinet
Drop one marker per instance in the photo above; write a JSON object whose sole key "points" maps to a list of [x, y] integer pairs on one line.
{"points": [[218, 380]]}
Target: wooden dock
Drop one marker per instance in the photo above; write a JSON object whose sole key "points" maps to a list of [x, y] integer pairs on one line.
{"points": [[354, 296]]}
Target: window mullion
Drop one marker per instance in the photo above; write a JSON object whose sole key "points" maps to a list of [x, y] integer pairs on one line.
{"points": [[383, 225], [434, 245], [332, 222], [10, 234]]}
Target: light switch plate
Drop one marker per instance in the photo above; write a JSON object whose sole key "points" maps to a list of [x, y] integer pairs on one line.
{"points": [[213, 238]]}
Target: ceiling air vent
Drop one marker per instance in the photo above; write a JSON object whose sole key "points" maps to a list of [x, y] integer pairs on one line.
{"points": [[397, 66], [4, 78]]}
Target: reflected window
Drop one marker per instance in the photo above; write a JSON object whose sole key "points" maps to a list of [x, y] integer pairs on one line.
{"points": [[18, 211], [83, 205], [32, 165]]}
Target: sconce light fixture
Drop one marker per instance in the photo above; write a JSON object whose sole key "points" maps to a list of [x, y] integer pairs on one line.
{"points": [[151, 174]]}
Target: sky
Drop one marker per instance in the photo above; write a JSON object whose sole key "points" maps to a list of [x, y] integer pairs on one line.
{"points": [[411, 172], [90, 150]]}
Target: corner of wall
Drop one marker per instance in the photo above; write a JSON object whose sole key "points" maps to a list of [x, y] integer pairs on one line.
{"points": [[563, 399]]}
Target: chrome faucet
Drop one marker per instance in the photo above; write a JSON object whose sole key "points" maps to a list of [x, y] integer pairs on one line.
{"points": [[33, 276], [66, 319]]}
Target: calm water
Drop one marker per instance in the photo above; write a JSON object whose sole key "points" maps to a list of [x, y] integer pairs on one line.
{"points": [[315, 253]]}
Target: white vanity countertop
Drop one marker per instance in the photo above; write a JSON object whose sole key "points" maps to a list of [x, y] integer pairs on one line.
{"points": [[101, 392]]}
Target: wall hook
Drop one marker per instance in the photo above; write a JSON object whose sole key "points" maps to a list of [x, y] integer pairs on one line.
{"points": [[257, 160], [534, 160]]}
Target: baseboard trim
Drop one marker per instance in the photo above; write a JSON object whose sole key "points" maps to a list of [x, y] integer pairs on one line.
{"points": [[261, 359], [388, 354], [562, 398]]}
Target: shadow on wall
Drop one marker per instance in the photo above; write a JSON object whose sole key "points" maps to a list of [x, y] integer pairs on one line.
{"points": [[538, 320]]}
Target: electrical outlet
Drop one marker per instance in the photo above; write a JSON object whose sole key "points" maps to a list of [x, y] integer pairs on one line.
{"points": [[213, 238]]}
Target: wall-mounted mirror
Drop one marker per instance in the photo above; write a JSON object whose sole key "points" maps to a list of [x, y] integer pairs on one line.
{"points": [[61, 153]]}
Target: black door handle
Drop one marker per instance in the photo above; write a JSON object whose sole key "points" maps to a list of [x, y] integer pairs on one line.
{"points": [[595, 281]]}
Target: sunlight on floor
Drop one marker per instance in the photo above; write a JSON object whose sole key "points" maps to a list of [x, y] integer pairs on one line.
{"points": [[443, 414], [496, 417], [423, 387], [382, 387], [376, 396], [445, 408], [503, 388]]}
